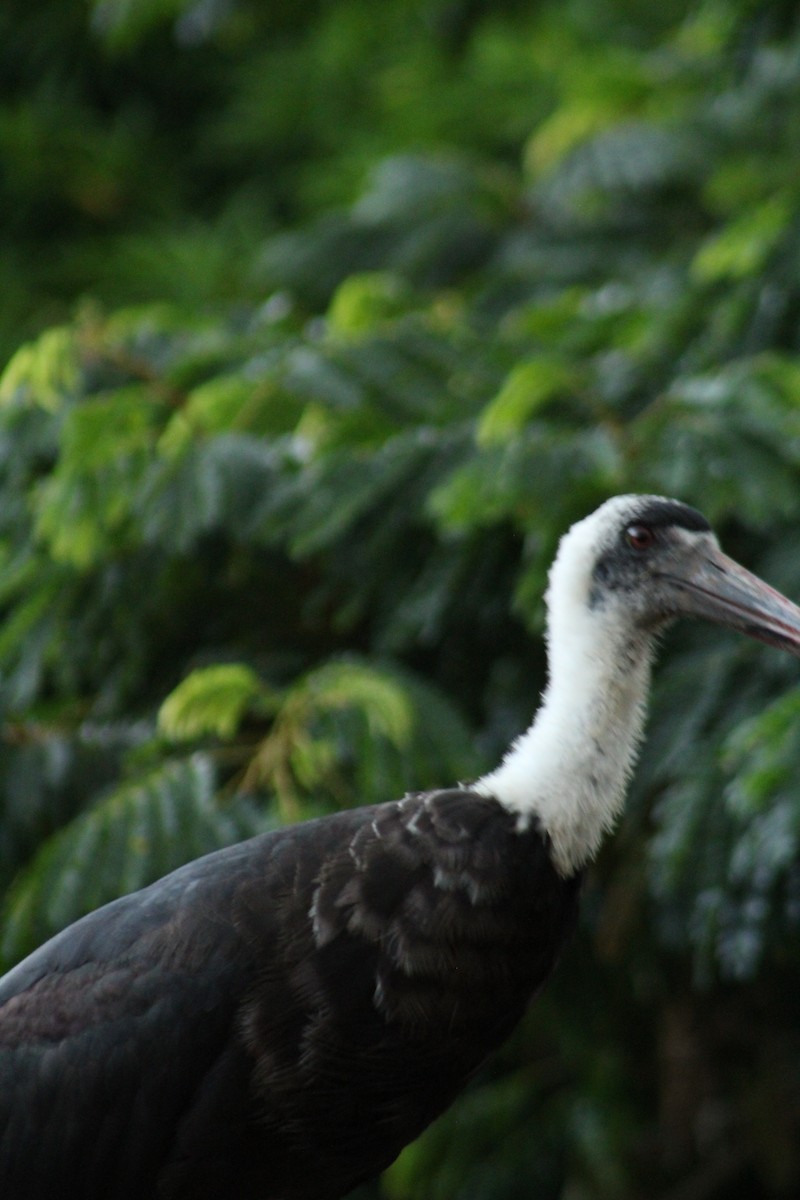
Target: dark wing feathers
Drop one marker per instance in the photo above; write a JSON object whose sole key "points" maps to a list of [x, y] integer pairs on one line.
{"points": [[109, 1031], [278, 1019]]}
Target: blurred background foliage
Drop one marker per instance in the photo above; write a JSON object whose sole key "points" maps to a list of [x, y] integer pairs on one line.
{"points": [[321, 322]]}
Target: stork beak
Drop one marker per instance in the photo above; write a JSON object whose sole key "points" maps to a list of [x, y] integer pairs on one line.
{"points": [[718, 589]]}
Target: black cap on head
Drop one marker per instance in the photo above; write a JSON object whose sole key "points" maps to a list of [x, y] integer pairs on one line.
{"points": [[659, 513]]}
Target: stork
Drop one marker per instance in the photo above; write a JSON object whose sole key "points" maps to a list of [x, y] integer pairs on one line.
{"points": [[276, 1020]]}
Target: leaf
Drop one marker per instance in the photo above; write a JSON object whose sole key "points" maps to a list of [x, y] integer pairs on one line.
{"points": [[350, 684], [635, 157], [249, 401], [226, 483], [106, 428], [133, 836], [27, 638], [357, 733], [761, 752], [527, 391], [742, 248], [44, 373], [363, 302], [569, 125], [211, 701], [85, 502], [537, 477]]}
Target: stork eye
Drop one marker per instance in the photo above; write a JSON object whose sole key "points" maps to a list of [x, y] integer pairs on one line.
{"points": [[640, 537]]}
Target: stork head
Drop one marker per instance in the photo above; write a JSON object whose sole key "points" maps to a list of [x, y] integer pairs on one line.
{"points": [[640, 562], [620, 576]]}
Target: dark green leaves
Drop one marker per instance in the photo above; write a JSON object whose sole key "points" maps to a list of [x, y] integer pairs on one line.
{"points": [[129, 838]]}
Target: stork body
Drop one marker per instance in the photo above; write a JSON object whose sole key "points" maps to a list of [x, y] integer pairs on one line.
{"points": [[277, 1020]]}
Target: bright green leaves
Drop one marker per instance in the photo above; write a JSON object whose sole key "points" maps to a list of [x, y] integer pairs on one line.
{"points": [[43, 372], [345, 732], [210, 701], [251, 400], [86, 503], [529, 388], [334, 729], [742, 248], [385, 704], [362, 302]]}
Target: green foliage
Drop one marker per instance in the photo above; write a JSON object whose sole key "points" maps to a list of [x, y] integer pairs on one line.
{"points": [[529, 387], [322, 322], [129, 838], [210, 701], [43, 372]]}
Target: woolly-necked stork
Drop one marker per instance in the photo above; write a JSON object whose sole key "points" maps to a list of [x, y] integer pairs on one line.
{"points": [[275, 1021]]}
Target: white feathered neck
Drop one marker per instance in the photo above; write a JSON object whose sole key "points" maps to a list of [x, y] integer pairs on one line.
{"points": [[570, 770]]}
